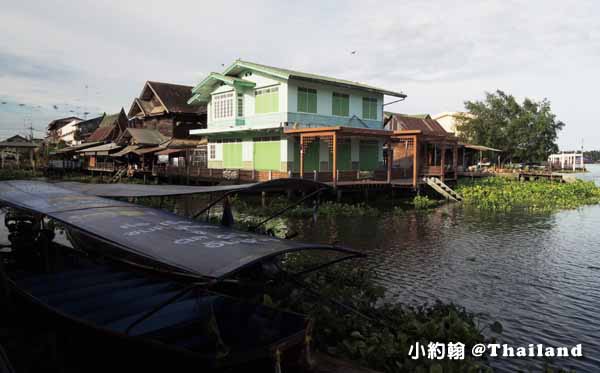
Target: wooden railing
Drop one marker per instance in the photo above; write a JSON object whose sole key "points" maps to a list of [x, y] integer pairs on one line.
{"points": [[239, 175]]}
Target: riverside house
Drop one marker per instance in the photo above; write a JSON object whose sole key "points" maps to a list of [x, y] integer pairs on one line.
{"points": [[286, 122]]}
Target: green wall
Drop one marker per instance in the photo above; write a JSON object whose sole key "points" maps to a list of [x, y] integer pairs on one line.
{"points": [[267, 155], [232, 155]]}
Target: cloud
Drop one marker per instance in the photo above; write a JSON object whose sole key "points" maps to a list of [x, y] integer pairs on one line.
{"points": [[439, 53]]}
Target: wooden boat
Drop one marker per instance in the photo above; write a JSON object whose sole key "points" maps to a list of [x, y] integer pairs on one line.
{"points": [[139, 295]]}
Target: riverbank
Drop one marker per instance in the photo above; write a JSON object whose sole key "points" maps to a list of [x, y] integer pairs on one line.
{"points": [[502, 194]]}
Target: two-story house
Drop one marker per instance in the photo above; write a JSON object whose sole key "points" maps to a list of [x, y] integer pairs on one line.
{"points": [[267, 118]]}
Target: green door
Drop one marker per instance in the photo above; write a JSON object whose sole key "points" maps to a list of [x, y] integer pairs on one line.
{"points": [[267, 155], [344, 158], [232, 155], [369, 155], [311, 158]]}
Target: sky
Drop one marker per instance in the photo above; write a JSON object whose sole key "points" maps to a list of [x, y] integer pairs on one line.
{"points": [[63, 58]]}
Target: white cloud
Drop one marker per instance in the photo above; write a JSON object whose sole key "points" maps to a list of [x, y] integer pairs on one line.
{"points": [[439, 53]]}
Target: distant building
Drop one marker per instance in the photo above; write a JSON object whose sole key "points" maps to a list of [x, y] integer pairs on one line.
{"points": [[450, 119], [62, 129], [110, 128], [18, 152], [87, 127], [163, 107], [567, 161]]}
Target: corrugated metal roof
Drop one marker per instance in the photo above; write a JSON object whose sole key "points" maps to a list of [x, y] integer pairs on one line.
{"points": [[77, 147], [101, 148], [145, 136], [101, 134], [126, 150]]}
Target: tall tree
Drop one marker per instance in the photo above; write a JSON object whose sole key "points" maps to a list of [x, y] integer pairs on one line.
{"points": [[525, 132]]}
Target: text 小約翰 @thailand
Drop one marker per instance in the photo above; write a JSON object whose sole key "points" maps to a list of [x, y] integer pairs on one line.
{"points": [[456, 351]]}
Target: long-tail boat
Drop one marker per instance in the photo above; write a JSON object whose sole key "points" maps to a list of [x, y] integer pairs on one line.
{"points": [[137, 287]]}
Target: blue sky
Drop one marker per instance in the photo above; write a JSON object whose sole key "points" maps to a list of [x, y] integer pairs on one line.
{"points": [[60, 58]]}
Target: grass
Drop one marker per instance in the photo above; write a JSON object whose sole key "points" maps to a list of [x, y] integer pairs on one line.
{"points": [[501, 194]]}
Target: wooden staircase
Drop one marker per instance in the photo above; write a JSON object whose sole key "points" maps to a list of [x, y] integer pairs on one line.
{"points": [[117, 176], [443, 189]]}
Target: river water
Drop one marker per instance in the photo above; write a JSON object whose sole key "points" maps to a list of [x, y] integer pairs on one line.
{"points": [[536, 274]]}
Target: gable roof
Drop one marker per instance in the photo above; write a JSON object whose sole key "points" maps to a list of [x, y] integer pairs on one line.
{"points": [[61, 122], [173, 98], [16, 138], [400, 122], [239, 66]]}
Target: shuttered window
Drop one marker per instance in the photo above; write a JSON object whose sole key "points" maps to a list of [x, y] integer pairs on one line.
{"points": [[340, 105], [369, 108], [267, 100], [307, 100]]}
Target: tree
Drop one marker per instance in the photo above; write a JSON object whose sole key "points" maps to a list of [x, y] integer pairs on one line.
{"points": [[525, 132]]}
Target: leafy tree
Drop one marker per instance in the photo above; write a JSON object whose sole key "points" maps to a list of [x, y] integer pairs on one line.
{"points": [[525, 132]]}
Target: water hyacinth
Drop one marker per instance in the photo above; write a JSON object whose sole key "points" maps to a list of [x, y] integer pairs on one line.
{"points": [[501, 194]]}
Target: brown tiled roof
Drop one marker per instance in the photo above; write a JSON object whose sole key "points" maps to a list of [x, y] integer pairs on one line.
{"points": [[428, 126], [175, 97], [101, 134]]}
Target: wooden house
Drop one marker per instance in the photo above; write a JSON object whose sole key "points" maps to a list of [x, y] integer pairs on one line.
{"points": [[421, 148], [17, 152], [163, 107], [110, 128]]}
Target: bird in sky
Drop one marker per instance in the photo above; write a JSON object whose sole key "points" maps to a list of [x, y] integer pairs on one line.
{"points": [[353, 52]]}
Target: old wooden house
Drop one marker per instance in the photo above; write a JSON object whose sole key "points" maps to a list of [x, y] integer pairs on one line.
{"points": [[163, 107], [110, 128], [421, 148]]}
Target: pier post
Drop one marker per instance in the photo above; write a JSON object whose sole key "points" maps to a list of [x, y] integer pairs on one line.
{"points": [[339, 195], [263, 199]]}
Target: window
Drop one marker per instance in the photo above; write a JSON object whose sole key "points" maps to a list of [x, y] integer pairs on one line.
{"points": [[369, 108], [223, 105], [213, 151], [267, 100], [340, 105], [307, 100], [240, 104]]}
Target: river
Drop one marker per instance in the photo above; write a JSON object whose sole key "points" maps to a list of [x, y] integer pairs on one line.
{"points": [[536, 274]]}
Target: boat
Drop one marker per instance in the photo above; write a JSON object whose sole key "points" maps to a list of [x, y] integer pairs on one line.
{"points": [[136, 290]]}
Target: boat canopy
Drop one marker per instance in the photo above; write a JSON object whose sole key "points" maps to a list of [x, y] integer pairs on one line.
{"points": [[201, 249], [142, 190]]}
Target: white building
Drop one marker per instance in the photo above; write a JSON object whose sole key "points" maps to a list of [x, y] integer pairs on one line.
{"points": [[450, 119], [567, 161]]}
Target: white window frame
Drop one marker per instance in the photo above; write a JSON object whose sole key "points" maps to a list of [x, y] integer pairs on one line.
{"points": [[222, 105]]}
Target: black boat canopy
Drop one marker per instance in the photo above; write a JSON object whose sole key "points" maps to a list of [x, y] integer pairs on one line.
{"points": [[202, 249], [140, 190]]}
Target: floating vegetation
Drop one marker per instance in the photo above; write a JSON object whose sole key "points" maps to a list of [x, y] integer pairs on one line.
{"points": [[375, 334], [423, 202], [501, 194]]}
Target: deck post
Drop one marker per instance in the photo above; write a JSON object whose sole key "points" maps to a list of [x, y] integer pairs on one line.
{"points": [[455, 160], [301, 156], [334, 168], [390, 157], [415, 160], [443, 161]]}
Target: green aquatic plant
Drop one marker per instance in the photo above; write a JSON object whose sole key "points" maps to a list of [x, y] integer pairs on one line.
{"points": [[353, 321], [423, 202], [502, 194]]}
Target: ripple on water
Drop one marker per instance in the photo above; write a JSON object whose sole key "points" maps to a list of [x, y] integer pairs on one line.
{"points": [[535, 274]]}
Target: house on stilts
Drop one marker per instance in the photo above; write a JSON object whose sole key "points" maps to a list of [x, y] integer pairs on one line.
{"points": [[268, 122]]}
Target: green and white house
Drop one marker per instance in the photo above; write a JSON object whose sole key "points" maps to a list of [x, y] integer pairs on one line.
{"points": [[257, 115]]}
